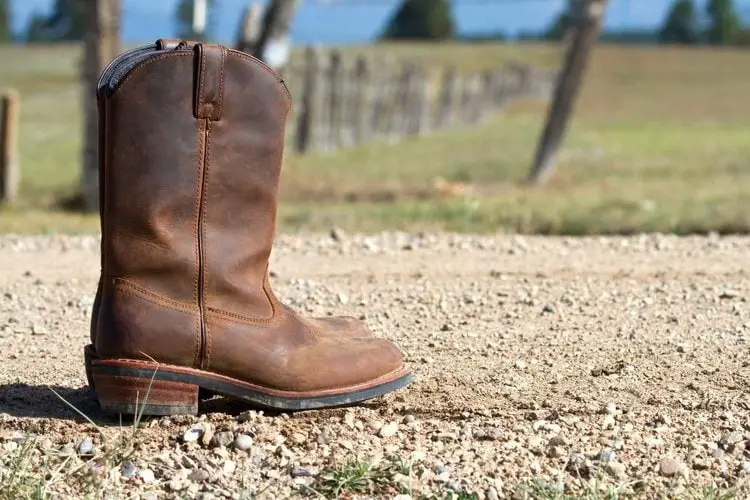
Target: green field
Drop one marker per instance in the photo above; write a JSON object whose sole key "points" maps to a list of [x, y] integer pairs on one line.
{"points": [[660, 142]]}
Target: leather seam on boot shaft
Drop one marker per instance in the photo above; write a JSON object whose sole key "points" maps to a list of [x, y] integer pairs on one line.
{"points": [[203, 267], [126, 286], [196, 241], [251, 59]]}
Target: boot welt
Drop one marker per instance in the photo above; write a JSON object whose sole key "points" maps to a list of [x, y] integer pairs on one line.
{"points": [[141, 387]]}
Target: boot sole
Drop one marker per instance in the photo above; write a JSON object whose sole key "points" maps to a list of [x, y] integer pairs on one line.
{"points": [[141, 387]]}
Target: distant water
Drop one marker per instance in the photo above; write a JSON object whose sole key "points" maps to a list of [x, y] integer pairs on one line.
{"points": [[359, 21]]}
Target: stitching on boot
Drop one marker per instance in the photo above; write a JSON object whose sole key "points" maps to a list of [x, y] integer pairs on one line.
{"points": [[206, 171], [196, 215], [128, 287]]}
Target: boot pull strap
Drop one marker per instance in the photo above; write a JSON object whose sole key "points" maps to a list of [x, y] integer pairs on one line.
{"points": [[209, 91], [172, 43]]}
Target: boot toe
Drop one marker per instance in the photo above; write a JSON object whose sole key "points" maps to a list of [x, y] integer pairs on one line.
{"points": [[335, 364]]}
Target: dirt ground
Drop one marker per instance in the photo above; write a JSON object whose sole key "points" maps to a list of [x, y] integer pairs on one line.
{"points": [[544, 365]]}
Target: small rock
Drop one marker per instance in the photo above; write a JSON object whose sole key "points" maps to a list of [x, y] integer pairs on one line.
{"points": [[146, 475], [670, 467], [536, 445], [229, 467], [86, 446], [388, 430], [609, 422], [700, 464], [338, 234], [208, 435], [730, 439], [557, 452], [616, 469], [243, 442], [718, 453], [298, 438], [198, 475], [128, 469], [491, 494], [247, 416], [301, 472], [606, 456], [610, 409], [521, 364], [193, 434], [409, 419], [39, 330], [223, 438]]}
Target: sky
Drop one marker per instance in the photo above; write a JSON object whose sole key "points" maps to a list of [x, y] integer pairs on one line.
{"points": [[359, 21]]}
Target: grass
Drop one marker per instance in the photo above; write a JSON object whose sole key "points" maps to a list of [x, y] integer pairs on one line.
{"points": [[394, 476], [24, 481], [659, 143]]}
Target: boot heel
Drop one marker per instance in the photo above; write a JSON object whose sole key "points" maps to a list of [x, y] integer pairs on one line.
{"points": [[88, 356], [119, 390]]}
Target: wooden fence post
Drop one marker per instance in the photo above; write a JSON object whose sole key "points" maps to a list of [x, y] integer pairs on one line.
{"points": [[102, 45], [382, 96], [249, 29], [335, 100], [308, 133], [400, 112], [567, 89], [419, 122], [446, 106], [361, 106], [10, 170]]}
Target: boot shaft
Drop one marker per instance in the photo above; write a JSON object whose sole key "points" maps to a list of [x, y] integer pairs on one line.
{"points": [[193, 144]]}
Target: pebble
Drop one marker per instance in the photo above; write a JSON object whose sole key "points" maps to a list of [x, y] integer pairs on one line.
{"points": [[193, 434], [388, 430], [607, 456], [609, 422], [557, 452], [730, 439], [669, 467], [616, 469], [199, 475], [301, 472], [39, 330], [243, 442], [146, 475], [86, 446], [491, 494], [128, 469], [409, 419], [223, 438], [208, 435], [229, 467]]}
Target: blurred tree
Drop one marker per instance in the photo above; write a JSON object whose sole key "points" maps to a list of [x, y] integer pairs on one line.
{"points": [[6, 27], [724, 23], [184, 15], [67, 21], [565, 21], [35, 30], [681, 24], [421, 19]]}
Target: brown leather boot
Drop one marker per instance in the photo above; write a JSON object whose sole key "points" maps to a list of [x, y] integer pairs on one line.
{"points": [[339, 326], [192, 147]]}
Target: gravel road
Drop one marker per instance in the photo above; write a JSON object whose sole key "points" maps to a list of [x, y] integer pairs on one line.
{"points": [[543, 365]]}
